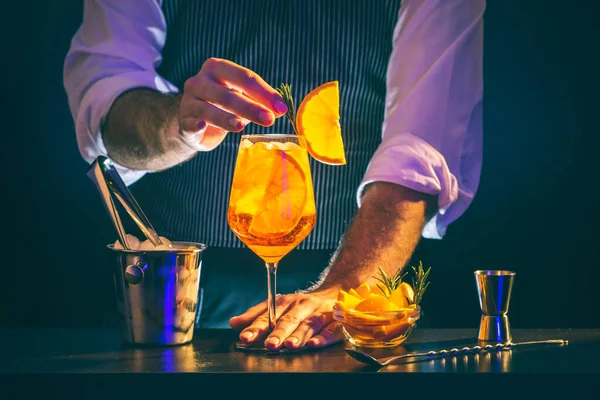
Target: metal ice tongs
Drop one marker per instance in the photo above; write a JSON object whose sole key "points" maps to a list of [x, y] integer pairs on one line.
{"points": [[108, 181]]}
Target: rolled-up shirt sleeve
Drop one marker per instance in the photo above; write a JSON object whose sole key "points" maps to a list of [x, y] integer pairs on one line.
{"points": [[117, 48], [432, 130]]}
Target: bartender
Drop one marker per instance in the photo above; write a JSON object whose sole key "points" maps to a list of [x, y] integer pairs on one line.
{"points": [[150, 86]]}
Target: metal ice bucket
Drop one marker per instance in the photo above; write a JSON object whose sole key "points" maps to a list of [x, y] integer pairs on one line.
{"points": [[157, 290], [157, 293]]}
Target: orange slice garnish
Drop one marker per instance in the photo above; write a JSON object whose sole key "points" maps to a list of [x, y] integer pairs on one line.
{"points": [[318, 121], [272, 189]]}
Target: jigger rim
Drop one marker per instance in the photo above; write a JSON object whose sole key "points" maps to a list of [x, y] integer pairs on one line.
{"points": [[495, 272]]}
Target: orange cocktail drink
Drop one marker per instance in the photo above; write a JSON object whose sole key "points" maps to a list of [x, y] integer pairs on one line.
{"points": [[272, 205]]}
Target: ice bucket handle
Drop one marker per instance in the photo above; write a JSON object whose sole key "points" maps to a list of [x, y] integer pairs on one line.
{"points": [[134, 274]]}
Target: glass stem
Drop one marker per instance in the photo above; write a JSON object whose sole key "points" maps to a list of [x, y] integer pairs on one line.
{"points": [[271, 293]]}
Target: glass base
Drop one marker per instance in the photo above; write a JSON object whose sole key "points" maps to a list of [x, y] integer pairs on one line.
{"points": [[260, 348]]}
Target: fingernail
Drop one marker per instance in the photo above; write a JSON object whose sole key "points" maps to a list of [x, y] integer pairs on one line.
{"points": [[201, 125], [292, 340], [235, 123], [314, 342], [265, 117], [280, 107], [274, 341], [247, 335]]}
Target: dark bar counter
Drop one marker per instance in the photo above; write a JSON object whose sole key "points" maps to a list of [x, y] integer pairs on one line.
{"points": [[95, 363]]}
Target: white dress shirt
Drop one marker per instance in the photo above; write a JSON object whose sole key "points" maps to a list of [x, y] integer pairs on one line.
{"points": [[432, 129]]}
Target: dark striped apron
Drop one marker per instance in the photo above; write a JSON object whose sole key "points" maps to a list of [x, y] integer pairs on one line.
{"points": [[305, 43]]}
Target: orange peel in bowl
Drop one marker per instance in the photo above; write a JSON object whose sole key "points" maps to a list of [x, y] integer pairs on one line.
{"points": [[375, 303], [386, 312], [377, 328], [346, 301], [398, 298], [364, 290]]}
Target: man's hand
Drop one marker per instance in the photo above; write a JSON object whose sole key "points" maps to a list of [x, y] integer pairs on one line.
{"points": [[384, 234], [302, 319], [153, 131], [224, 97]]}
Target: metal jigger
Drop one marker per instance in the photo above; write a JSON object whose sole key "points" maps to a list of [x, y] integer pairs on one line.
{"points": [[494, 288]]}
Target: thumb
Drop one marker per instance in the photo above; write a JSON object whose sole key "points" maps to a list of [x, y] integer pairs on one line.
{"points": [[200, 136]]}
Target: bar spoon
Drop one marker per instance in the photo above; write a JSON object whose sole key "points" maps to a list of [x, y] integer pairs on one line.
{"points": [[382, 362]]}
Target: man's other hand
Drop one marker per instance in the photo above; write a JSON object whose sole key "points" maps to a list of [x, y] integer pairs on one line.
{"points": [[302, 319]]}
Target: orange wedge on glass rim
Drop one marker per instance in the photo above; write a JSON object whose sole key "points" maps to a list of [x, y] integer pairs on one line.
{"points": [[318, 122]]}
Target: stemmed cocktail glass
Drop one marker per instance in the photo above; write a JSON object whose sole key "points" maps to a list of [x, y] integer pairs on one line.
{"points": [[271, 205]]}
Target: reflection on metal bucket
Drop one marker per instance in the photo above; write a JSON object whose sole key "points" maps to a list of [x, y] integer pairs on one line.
{"points": [[157, 293]]}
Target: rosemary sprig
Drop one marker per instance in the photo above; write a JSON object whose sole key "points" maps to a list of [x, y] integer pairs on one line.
{"points": [[392, 283], [419, 282], [285, 90]]}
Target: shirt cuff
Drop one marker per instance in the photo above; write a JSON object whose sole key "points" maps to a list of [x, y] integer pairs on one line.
{"points": [[409, 161], [94, 109]]}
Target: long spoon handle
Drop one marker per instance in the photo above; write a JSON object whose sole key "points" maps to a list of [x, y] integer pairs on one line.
{"points": [[473, 349]]}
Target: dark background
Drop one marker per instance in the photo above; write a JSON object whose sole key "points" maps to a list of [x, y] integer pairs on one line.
{"points": [[535, 212]]}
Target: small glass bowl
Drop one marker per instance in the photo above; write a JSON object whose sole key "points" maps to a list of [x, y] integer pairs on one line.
{"points": [[377, 329]]}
